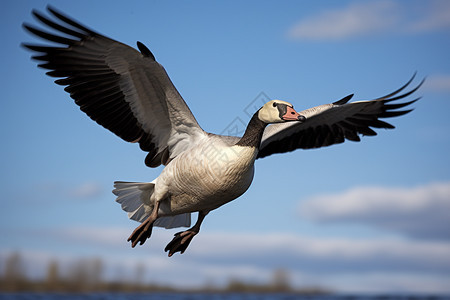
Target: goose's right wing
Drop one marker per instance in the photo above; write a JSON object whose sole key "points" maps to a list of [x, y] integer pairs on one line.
{"points": [[333, 123], [123, 90]]}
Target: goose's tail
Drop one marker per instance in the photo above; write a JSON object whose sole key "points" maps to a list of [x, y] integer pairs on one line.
{"points": [[131, 197], [134, 198]]}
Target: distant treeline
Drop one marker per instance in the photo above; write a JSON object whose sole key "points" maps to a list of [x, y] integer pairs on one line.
{"points": [[87, 276]]}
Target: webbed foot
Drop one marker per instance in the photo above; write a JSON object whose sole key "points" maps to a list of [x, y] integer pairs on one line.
{"points": [[180, 242], [142, 232]]}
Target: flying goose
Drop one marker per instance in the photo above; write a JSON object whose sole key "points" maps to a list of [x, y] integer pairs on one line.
{"points": [[129, 92]]}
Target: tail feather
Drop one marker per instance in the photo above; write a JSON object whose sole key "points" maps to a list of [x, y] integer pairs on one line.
{"points": [[132, 196], [183, 220], [135, 196]]}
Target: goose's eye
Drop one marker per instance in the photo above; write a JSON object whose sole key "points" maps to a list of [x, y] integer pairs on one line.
{"points": [[274, 104]]}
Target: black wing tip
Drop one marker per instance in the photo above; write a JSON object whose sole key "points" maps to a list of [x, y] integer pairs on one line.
{"points": [[410, 80], [400, 105], [57, 31], [57, 13], [390, 96], [30, 47], [395, 113], [145, 51], [62, 17], [36, 12], [52, 9], [27, 26], [344, 100], [391, 110]]}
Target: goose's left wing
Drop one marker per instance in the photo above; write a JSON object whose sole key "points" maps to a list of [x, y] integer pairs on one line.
{"points": [[333, 123], [122, 89]]}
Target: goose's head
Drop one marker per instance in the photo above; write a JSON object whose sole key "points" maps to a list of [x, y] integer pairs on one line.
{"points": [[277, 111]]}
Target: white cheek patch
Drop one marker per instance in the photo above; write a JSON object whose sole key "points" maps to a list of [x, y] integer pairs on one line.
{"points": [[269, 115], [264, 116]]}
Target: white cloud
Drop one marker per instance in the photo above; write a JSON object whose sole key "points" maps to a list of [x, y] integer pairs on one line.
{"points": [[56, 190], [435, 16], [382, 282], [344, 264], [86, 190], [374, 17], [422, 211], [439, 83], [241, 246], [113, 236], [355, 20]]}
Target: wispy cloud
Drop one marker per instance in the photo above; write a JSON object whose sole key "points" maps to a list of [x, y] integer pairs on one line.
{"points": [[434, 15], [346, 264], [354, 20], [85, 190], [56, 190], [438, 83], [375, 17], [422, 211]]}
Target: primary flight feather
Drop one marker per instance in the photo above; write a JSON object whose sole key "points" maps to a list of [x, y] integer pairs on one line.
{"points": [[129, 92]]}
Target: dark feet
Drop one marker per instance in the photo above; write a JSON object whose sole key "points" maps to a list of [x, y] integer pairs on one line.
{"points": [[180, 242], [142, 232]]}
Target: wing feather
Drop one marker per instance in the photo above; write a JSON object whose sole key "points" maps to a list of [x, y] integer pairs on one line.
{"points": [[333, 123], [123, 90]]}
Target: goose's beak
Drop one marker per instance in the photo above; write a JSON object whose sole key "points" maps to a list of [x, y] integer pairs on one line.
{"points": [[292, 115]]}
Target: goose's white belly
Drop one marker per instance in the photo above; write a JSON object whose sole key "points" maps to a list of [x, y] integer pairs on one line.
{"points": [[206, 177]]}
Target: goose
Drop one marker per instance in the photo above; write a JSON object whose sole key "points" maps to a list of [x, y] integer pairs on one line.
{"points": [[129, 93]]}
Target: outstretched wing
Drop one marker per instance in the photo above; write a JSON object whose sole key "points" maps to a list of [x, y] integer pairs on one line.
{"points": [[122, 89], [333, 123]]}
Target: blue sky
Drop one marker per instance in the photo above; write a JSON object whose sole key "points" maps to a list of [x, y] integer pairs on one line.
{"points": [[365, 217]]}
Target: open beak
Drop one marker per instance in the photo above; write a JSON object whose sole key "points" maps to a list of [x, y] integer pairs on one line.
{"points": [[292, 115]]}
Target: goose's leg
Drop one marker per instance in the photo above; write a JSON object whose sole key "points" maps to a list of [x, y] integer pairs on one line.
{"points": [[144, 231], [182, 239]]}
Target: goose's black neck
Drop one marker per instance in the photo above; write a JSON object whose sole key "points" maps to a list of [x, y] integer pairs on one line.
{"points": [[253, 133]]}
